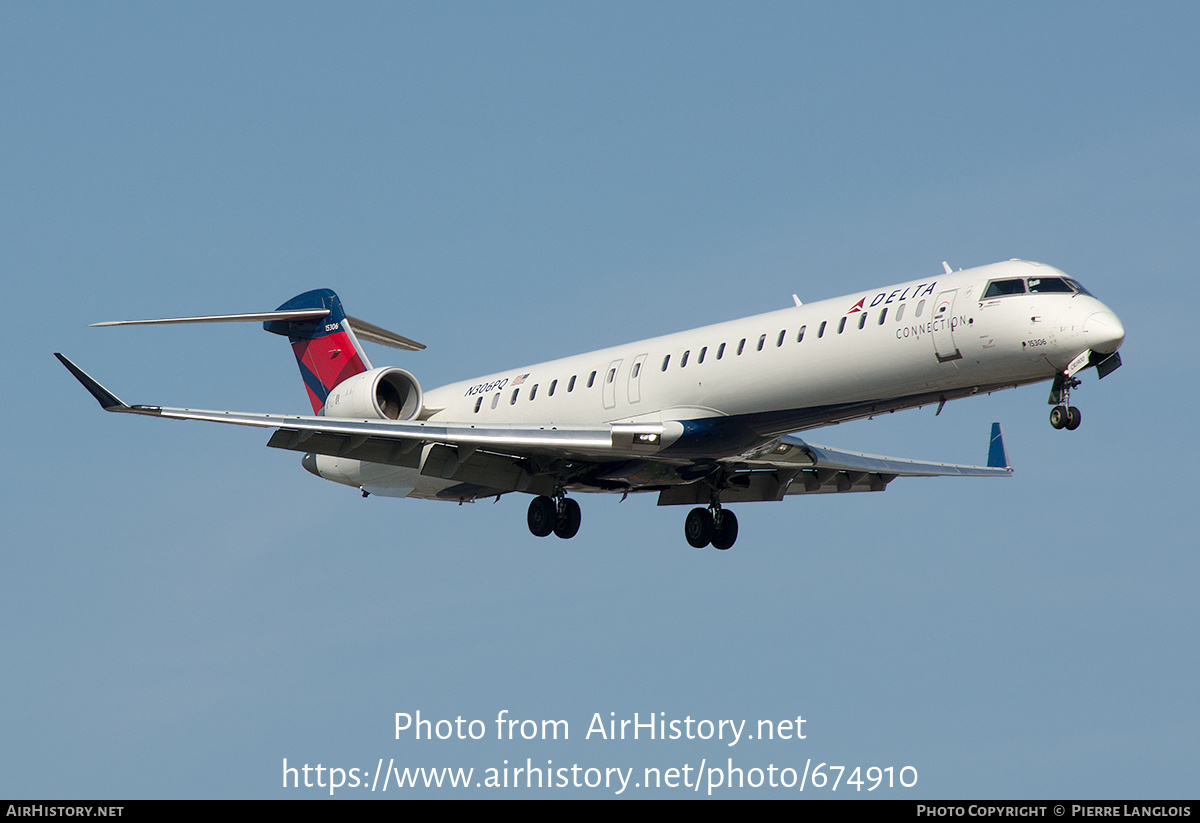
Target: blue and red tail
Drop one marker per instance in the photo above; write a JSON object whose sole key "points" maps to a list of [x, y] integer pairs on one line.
{"points": [[326, 349]]}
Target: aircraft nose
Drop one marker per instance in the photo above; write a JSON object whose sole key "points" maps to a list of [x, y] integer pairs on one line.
{"points": [[1103, 332]]}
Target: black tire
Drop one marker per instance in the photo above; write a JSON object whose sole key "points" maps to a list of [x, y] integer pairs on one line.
{"points": [[725, 530], [1074, 418], [542, 516], [568, 524], [1058, 417], [698, 528]]}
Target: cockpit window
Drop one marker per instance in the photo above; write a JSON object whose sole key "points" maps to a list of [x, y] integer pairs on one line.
{"points": [[1045, 285], [999, 288], [1078, 287]]}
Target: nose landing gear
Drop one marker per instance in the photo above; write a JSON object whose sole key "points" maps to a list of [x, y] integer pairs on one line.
{"points": [[1064, 415]]}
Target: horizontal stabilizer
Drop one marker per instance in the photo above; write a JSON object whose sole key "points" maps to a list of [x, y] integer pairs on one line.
{"points": [[307, 314], [363, 329], [369, 331]]}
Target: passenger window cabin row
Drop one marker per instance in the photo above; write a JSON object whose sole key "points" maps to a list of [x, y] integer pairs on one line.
{"points": [[701, 356], [533, 390], [781, 338]]}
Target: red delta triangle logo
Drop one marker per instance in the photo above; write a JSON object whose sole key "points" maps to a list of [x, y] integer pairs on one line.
{"points": [[857, 306]]}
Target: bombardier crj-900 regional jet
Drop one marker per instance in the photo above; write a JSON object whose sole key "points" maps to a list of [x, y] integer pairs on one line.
{"points": [[704, 418]]}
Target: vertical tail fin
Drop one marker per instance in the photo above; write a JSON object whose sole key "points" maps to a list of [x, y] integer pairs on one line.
{"points": [[326, 349]]}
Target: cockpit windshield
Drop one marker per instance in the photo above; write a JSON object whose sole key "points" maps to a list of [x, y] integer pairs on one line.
{"points": [[1033, 285], [1044, 285], [999, 288], [1079, 288]]}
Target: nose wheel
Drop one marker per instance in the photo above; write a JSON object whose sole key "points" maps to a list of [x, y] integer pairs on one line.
{"points": [[713, 525], [1064, 415], [559, 515]]}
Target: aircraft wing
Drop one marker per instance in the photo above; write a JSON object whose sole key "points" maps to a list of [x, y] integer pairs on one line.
{"points": [[823, 457], [374, 440], [790, 465]]}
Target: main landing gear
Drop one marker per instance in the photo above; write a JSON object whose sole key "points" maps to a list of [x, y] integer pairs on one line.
{"points": [[559, 514], [1064, 415], [712, 525]]}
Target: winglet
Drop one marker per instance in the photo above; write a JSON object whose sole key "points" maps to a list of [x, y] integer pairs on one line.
{"points": [[108, 401], [997, 458]]}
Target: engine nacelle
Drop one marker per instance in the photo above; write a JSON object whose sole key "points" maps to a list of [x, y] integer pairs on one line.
{"points": [[385, 393]]}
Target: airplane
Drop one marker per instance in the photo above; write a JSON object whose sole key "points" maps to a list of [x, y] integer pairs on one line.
{"points": [[704, 418]]}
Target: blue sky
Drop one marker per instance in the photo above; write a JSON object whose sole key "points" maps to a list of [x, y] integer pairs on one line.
{"points": [[507, 183]]}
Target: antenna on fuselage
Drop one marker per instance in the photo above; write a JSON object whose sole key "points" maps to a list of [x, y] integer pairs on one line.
{"points": [[947, 268]]}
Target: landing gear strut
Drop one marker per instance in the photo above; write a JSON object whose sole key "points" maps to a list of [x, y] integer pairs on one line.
{"points": [[712, 525], [559, 514], [1064, 415]]}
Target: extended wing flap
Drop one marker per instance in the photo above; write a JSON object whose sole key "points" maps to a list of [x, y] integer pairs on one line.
{"points": [[357, 447]]}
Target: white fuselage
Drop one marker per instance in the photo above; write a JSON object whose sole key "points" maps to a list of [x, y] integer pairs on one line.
{"points": [[804, 366]]}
